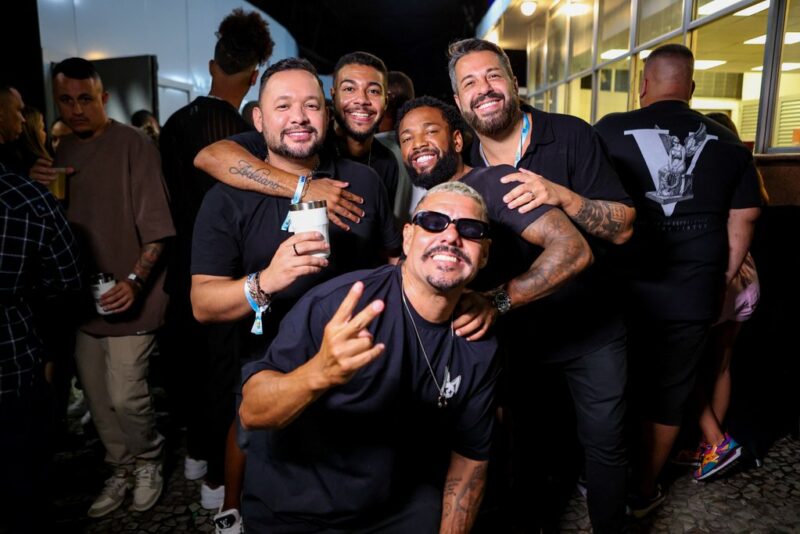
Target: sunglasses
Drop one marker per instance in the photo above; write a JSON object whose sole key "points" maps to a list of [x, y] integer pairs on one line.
{"points": [[433, 221]]}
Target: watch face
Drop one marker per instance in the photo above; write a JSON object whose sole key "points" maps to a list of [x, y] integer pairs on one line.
{"points": [[502, 301]]}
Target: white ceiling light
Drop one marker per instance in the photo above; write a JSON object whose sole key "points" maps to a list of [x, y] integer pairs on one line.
{"points": [[614, 53], [528, 8], [493, 36], [785, 67], [705, 64], [789, 38], [575, 9], [752, 10], [714, 6]]}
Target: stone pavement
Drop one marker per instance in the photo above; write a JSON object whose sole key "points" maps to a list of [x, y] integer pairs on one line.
{"points": [[747, 499]]}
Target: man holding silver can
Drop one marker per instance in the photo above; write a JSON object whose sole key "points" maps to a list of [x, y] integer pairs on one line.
{"points": [[120, 213], [246, 264]]}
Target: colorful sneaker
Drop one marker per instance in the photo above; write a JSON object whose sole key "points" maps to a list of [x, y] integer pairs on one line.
{"points": [[718, 457], [639, 506], [691, 458]]}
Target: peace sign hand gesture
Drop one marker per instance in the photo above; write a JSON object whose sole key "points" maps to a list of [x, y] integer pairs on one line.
{"points": [[347, 346]]}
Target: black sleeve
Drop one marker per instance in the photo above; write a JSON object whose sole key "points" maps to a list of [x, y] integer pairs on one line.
{"points": [[592, 175], [747, 193], [253, 142], [216, 238], [487, 182]]}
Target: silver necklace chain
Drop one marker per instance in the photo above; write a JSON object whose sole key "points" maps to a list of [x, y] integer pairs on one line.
{"points": [[442, 400]]}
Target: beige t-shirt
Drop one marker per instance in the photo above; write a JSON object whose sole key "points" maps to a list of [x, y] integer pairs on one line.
{"points": [[117, 203]]}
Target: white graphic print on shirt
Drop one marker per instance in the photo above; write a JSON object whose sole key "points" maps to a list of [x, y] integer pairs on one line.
{"points": [[667, 159]]}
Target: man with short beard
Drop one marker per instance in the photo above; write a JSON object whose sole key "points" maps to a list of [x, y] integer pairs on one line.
{"points": [[567, 167], [534, 253], [359, 100], [244, 260]]}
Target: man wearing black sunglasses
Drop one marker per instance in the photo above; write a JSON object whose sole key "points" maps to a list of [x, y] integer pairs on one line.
{"points": [[377, 417], [546, 290]]}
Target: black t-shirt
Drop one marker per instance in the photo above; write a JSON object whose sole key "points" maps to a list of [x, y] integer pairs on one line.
{"points": [[685, 172], [189, 130], [379, 158], [584, 314], [238, 232], [364, 444]]}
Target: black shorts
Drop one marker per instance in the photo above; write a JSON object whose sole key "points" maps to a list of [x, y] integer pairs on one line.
{"points": [[663, 359]]}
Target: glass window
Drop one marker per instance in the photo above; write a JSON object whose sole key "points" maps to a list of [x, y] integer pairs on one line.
{"points": [[556, 45], [786, 132], [614, 87], [728, 71], [558, 99], [615, 25], [536, 48], [657, 17], [580, 97], [580, 36]]}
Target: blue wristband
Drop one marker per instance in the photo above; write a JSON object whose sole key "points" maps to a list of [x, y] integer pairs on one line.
{"points": [[298, 193]]}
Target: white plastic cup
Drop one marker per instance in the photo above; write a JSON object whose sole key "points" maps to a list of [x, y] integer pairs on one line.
{"points": [[101, 283], [310, 217]]}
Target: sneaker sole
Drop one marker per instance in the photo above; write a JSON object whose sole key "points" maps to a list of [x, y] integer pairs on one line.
{"points": [[105, 512], [728, 461]]}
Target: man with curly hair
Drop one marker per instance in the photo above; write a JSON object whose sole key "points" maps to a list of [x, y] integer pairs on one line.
{"points": [[204, 398]]}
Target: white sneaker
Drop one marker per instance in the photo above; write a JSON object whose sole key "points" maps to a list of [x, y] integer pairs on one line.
{"points": [[211, 499], [228, 522], [148, 486], [112, 495], [194, 469]]}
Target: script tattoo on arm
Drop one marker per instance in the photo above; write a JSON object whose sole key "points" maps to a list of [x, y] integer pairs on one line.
{"points": [[604, 219], [463, 492], [259, 175], [566, 253]]}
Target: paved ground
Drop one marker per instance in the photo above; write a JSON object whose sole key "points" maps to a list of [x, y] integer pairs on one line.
{"points": [[747, 499]]}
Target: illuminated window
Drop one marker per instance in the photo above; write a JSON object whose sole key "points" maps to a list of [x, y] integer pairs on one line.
{"points": [[615, 25], [709, 7], [614, 87], [580, 97], [732, 82], [786, 130], [657, 17]]}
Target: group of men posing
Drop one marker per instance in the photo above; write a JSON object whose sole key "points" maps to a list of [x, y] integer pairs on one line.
{"points": [[372, 409], [368, 386]]}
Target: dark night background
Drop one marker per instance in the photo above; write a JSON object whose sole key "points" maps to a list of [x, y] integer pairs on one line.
{"points": [[408, 35]]}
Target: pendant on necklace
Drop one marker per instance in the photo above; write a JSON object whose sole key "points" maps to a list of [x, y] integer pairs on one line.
{"points": [[442, 402]]}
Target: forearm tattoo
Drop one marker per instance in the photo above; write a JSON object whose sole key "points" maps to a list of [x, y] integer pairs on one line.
{"points": [[462, 500], [601, 218], [565, 255], [259, 175], [148, 258]]}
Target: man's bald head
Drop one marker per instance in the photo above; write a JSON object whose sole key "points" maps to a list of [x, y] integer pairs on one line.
{"points": [[668, 75]]}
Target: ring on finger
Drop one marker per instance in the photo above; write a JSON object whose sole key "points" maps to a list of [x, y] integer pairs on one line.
{"points": [[294, 246]]}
